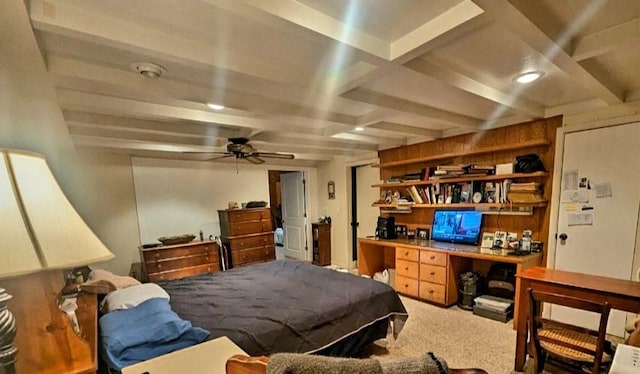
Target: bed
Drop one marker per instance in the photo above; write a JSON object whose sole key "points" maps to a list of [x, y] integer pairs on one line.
{"points": [[289, 306]]}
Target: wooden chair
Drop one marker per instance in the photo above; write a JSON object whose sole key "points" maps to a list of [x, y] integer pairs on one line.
{"points": [[573, 344], [240, 364]]}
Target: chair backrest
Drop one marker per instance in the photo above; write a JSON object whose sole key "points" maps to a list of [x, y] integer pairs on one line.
{"points": [[536, 298]]}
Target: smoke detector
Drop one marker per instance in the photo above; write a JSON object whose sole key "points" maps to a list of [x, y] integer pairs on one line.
{"points": [[148, 69]]}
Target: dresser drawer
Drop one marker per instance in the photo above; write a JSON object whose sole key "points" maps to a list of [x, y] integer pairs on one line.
{"points": [[433, 274], [181, 262], [407, 268], [247, 256], [407, 286], [432, 292], [160, 253], [249, 215], [433, 258], [181, 273], [408, 254], [250, 227], [251, 241]]}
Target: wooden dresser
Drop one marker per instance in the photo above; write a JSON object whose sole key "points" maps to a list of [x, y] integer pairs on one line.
{"points": [[248, 235], [179, 261], [321, 243]]}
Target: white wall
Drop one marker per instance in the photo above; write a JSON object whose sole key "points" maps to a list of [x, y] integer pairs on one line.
{"points": [[99, 187], [178, 197]]}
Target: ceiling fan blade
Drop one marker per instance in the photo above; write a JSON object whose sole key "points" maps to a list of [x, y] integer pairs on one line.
{"points": [[254, 159], [219, 157], [282, 156]]}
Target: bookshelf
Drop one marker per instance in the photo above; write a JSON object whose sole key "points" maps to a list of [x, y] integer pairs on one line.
{"points": [[489, 147]]}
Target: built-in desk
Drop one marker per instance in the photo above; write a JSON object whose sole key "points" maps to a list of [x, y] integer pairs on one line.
{"points": [[429, 270]]}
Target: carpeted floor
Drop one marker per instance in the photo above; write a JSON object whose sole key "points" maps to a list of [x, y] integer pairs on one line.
{"points": [[461, 338]]}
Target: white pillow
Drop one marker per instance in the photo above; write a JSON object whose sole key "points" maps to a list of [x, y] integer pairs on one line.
{"points": [[132, 296]]}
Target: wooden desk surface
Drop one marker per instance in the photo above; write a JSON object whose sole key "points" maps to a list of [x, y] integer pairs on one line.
{"points": [[459, 250], [619, 293], [583, 281]]}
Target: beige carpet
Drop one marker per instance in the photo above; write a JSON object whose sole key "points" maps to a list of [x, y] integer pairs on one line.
{"points": [[461, 338]]}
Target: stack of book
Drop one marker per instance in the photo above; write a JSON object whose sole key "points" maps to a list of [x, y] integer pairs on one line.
{"points": [[525, 193], [480, 169], [448, 171]]}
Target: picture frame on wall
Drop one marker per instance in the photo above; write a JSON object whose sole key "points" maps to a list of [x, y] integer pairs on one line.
{"points": [[422, 233]]}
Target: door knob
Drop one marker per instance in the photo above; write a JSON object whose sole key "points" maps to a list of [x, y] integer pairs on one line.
{"points": [[563, 237]]}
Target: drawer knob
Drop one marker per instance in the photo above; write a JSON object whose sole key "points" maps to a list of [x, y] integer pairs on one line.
{"points": [[406, 285], [433, 273], [432, 257], [406, 253], [159, 266], [431, 291]]}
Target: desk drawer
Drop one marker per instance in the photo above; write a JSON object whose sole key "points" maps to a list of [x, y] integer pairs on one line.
{"points": [[160, 253], [408, 254], [407, 286], [247, 256], [433, 274], [432, 292], [433, 258], [181, 273], [407, 268]]}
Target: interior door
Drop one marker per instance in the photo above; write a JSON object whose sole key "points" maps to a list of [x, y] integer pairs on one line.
{"points": [[294, 217], [602, 240]]}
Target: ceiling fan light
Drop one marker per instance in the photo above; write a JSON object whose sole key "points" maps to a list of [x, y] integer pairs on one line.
{"points": [[148, 69], [215, 106], [528, 77]]}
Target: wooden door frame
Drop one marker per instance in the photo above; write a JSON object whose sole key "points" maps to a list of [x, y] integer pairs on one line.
{"points": [[351, 190]]}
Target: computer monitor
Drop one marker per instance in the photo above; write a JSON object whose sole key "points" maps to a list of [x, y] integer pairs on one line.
{"points": [[457, 226]]}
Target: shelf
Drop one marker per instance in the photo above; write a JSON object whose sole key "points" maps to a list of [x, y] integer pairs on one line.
{"points": [[463, 179], [479, 151], [539, 204]]}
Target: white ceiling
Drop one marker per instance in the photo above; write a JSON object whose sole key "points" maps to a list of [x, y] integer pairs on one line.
{"points": [[299, 76]]}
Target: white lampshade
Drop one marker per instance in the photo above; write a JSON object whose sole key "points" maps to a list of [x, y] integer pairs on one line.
{"points": [[39, 228]]}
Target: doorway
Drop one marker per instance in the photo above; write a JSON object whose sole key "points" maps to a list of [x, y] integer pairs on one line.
{"points": [[287, 194], [363, 215]]}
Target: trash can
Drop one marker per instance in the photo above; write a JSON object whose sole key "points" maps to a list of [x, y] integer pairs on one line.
{"points": [[469, 285]]}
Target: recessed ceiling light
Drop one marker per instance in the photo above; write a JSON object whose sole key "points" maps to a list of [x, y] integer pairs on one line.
{"points": [[528, 77], [359, 128], [148, 69], [215, 106]]}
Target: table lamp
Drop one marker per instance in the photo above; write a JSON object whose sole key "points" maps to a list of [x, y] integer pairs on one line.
{"points": [[40, 234]]}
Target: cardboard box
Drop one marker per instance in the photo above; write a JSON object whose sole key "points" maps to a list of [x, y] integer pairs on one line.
{"points": [[502, 169]]}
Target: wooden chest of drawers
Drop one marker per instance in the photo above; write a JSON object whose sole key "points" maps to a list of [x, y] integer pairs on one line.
{"points": [[179, 261], [248, 235]]}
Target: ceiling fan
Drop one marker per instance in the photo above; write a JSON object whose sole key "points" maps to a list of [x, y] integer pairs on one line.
{"points": [[242, 150]]}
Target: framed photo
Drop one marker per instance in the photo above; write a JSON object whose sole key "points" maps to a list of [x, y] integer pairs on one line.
{"points": [[422, 234], [487, 240], [401, 231]]}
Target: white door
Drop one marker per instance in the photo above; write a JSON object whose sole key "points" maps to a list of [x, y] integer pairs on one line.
{"points": [[294, 218], [606, 157], [367, 216]]}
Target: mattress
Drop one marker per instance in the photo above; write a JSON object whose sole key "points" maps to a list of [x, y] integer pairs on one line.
{"points": [[287, 306]]}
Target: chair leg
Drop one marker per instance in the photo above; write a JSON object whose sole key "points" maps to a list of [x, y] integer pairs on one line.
{"points": [[539, 360]]}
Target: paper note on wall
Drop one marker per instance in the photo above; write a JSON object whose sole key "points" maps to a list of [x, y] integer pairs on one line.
{"points": [[602, 189], [570, 180], [575, 196], [580, 219]]}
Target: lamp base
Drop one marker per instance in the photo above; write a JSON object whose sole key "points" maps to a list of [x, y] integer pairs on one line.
{"points": [[7, 335]]}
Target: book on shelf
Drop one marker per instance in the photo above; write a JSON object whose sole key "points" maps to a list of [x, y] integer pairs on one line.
{"points": [[525, 197], [529, 186]]}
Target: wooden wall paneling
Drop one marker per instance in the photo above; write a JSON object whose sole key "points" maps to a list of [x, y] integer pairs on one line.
{"points": [[535, 132]]}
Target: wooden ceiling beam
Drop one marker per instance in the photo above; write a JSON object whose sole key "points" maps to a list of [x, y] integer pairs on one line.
{"points": [[607, 40]]}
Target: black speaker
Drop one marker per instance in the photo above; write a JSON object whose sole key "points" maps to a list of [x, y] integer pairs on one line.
{"points": [[386, 228]]}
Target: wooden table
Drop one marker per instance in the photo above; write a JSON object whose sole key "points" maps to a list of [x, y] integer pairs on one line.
{"points": [[620, 294]]}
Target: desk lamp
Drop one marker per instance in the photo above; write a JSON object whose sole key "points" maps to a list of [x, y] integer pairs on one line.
{"points": [[40, 234]]}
